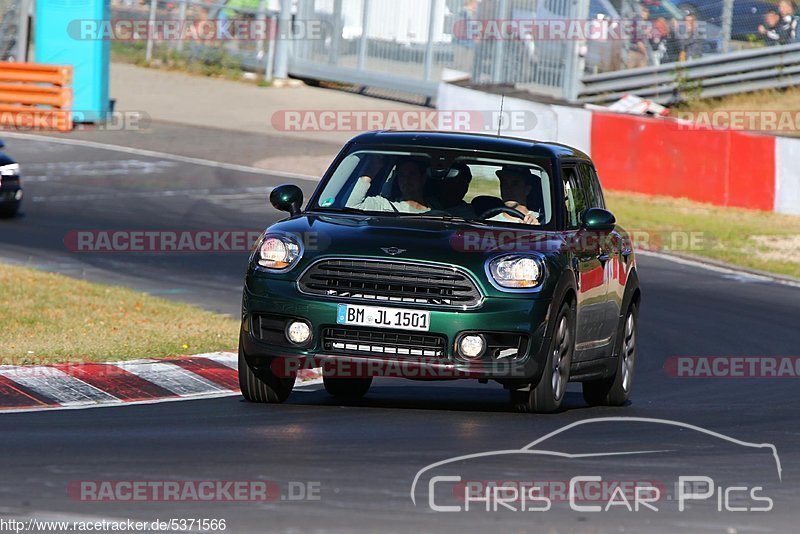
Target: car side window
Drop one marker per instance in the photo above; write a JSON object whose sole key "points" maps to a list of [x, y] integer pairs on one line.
{"points": [[575, 200], [594, 194]]}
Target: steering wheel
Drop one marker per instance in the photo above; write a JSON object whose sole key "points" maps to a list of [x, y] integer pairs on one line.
{"points": [[491, 212]]}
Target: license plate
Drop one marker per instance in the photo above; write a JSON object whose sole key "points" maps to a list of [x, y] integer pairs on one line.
{"points": [[379, 317]]}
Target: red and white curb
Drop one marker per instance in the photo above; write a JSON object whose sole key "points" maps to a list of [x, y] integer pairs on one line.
{"points": [[84, 385]]}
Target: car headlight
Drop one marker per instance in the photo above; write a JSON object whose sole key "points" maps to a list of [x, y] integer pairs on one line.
{"points": [[517, 272], [278, 252], [12, 169]]}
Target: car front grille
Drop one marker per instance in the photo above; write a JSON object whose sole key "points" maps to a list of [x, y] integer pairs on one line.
{"points": [[392, 282], [358, 341]]}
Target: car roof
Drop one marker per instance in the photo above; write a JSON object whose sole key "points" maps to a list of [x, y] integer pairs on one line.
{"points": [[470, 141]]}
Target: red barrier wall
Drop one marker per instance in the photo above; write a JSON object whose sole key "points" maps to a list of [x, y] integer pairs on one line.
{"points": [[725, 168]]}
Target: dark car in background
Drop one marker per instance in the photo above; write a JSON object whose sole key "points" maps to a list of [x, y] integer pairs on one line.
{"points": [[10, 187], [442, 256]]}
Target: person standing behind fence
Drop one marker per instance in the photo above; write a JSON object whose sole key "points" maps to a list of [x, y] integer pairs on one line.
{"points": [[788, 18], [689, 40], [773, 31], [637, 55]]}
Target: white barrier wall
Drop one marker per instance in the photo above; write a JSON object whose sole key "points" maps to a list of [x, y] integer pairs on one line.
{"points": [[561, 124], [787, 175]]}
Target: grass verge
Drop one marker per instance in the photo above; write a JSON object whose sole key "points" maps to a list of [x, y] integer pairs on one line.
{"points": [[49, 318], [757, 240]]}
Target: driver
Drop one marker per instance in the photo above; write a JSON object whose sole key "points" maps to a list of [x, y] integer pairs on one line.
{"points": [[516, 183], [411, 181]]}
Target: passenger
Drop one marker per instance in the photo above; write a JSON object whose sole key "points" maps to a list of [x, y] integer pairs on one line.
{"points": [[516, 183], [451, 196], [410, 179]]}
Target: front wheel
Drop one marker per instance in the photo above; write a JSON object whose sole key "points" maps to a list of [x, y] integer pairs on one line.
{"points": [[268, 388], [616, 391], [8, 211], [546, 396]]}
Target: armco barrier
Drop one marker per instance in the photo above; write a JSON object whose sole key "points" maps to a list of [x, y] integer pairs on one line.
{"points": [[23, 93], [661, 156]]}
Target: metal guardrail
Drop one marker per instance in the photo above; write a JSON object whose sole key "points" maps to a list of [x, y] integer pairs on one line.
{"points": [[772, 67]]}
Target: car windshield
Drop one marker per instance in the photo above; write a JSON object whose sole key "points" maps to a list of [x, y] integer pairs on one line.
{"points": [[447, 184]]}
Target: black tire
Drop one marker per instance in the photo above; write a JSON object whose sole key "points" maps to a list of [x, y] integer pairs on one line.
{"points": [[616, 391], [267, 388], [547, 394], [347, 388], [8, 211]]}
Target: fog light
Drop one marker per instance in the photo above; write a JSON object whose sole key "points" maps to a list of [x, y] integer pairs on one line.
{"points": [[471, 346], [299, 332]]}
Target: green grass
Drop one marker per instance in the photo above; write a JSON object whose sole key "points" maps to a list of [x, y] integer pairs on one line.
{"points": [[758, 240], [213, 61], [49, 318]]}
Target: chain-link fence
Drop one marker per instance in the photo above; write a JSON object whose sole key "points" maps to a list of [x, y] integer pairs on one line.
{"points": [[656, 32], [209, 36], [13, 29]]}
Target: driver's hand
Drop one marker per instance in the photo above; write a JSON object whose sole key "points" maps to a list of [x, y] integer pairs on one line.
{"points": [[531, 218]]}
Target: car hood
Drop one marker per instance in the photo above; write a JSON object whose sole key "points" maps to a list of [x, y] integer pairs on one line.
{"points": [[415, 239]]}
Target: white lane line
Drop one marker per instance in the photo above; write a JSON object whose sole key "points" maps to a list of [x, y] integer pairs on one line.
{"points": [[203, 193], [163, 155], [229, 359], [57, 385], [171, 377], [730, 272]]}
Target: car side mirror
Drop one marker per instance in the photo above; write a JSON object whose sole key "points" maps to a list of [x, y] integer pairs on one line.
{"points": [[287, 197], [2, 144], [599, 220]]}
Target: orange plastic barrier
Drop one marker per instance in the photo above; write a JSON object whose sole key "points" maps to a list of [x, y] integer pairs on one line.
{"points": [[31, 118], [25, 88], [660, 157], [35, 73]]}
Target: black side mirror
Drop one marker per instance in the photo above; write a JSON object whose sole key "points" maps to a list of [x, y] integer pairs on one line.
{"points": [[599, 220], [287, 197], [2, 144]]}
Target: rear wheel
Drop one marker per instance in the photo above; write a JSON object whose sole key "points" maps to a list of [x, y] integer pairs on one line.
{"points": [[347, 388], [267, 387], [546, 396], [616, 391]]}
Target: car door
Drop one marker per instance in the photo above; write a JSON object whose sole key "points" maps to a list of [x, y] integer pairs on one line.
{"points": [[591, 279], [609, 248]]}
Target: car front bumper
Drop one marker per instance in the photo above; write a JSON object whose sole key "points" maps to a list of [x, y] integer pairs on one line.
{"points": [[499, 318]]}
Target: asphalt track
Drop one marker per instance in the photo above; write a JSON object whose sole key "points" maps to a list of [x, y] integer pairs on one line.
{"points": [[363, 457]]}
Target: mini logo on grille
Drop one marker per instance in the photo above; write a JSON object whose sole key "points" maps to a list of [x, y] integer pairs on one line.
{"points": [[393, 251]]}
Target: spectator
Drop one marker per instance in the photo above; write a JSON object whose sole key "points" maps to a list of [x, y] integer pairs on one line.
{"points": [[774, 33], [689, 40], [789, 20], [659, 39], [637, 47]]}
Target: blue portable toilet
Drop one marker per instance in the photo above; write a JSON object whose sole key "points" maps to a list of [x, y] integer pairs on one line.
{"points": [[58, 41]]}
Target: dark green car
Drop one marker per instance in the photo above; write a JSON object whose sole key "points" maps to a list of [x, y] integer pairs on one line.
{"points": [[436, 256]]}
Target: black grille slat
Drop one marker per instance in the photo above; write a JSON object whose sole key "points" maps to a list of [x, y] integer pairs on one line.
{"points": [[357, 341], [390, 281]]}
